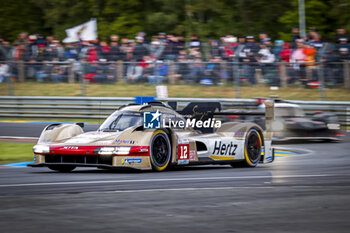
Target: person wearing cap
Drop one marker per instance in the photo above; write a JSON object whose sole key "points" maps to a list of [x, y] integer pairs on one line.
{"points": [[277, 49], [251, 46], [343, 43]]}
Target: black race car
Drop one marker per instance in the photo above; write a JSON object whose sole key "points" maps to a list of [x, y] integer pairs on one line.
{"points": [[291, 123]]}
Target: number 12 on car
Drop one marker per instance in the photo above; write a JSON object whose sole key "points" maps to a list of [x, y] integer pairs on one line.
{"points": [[183, 151]]}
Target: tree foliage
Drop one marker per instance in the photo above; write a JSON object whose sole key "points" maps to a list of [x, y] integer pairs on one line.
{"points": [[206, 18]]}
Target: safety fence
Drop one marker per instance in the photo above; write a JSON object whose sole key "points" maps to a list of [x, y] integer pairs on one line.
{"points": [[100, 107], [312, 75]]}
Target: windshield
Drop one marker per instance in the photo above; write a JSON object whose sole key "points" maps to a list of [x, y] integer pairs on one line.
{"points": [[289, 112], [121, 120]]}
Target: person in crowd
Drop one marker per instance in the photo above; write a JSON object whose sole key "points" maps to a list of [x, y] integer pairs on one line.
{"points": [[310, 63], [266, 59], [71, 52], [35, 49], [114, 52], [343, 43], [239, 52], [43, 72], [4, 72], [101, 72], [57, 71], [344, 54], [277, 49], [286, 52], [213, 70], [263, 36], [171, 48], [298, 60], [295, 36], [104, 50], [140, 50], [182, 69], [215, 49], [160, 73], [341, 34], [330, 68], [22, 39], [135, 71], [197, 70], [249, 61]]}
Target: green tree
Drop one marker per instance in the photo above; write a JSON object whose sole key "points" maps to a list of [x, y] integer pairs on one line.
{"points": [[340, 13], [315, 16], [19, 16], [62, 14]]}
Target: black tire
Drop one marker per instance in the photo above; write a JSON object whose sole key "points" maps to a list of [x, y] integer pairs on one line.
{"points": [[62, 168], [252, 149], [160, 151]]}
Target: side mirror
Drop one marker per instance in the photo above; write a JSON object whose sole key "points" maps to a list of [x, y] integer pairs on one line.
{"points": [[81, 124]]}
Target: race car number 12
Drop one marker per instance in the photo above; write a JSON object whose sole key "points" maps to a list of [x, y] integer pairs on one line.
{"points": [[183, 150]]}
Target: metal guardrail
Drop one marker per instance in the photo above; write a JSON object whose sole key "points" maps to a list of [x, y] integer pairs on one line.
{"points": [[101, 107]]}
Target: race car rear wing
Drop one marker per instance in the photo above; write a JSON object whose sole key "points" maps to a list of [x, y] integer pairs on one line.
{"points": [[206, 110]]}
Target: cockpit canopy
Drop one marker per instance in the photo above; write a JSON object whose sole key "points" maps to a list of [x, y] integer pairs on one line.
{"points": [[121, 120]]}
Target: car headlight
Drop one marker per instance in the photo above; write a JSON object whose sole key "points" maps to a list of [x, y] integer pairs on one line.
{"points": [[277, 126], [121, 150], [41, 149]]}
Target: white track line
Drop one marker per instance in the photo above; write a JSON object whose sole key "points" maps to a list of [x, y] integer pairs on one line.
{"points": [[186, 189], [161, 180], [15, 137]]}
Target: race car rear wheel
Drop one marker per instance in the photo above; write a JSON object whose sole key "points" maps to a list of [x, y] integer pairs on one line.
{"points": [[252, 149], [160, 151], [62, 168]]}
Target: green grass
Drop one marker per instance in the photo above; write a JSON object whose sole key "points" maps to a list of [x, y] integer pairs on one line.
{"points": [[184, 91], [15, 152]]}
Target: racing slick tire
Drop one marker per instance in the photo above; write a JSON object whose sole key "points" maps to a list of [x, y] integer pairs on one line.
{"points": [[252, 149], [62, 168], [160, 151]]}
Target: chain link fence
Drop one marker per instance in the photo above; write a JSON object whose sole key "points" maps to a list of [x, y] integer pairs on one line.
{"points": [[308, 75]]}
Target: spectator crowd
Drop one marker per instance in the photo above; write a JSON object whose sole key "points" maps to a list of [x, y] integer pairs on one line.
{"points": [[163, 57]]}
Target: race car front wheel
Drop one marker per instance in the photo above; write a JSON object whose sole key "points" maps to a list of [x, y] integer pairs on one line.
{"points": [[160, 151], [62, 168]]}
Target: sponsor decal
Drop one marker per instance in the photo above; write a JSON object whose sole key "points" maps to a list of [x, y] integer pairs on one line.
{"points": [[70, 148], [151, 120], [183, 162], [131, 161], [183, 153], [125, 141], [192, 155], [34, 158], [239, 134], [221, 148]]}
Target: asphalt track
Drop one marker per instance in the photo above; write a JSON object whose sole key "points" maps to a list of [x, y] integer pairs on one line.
{"points": [[301, 193]]}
